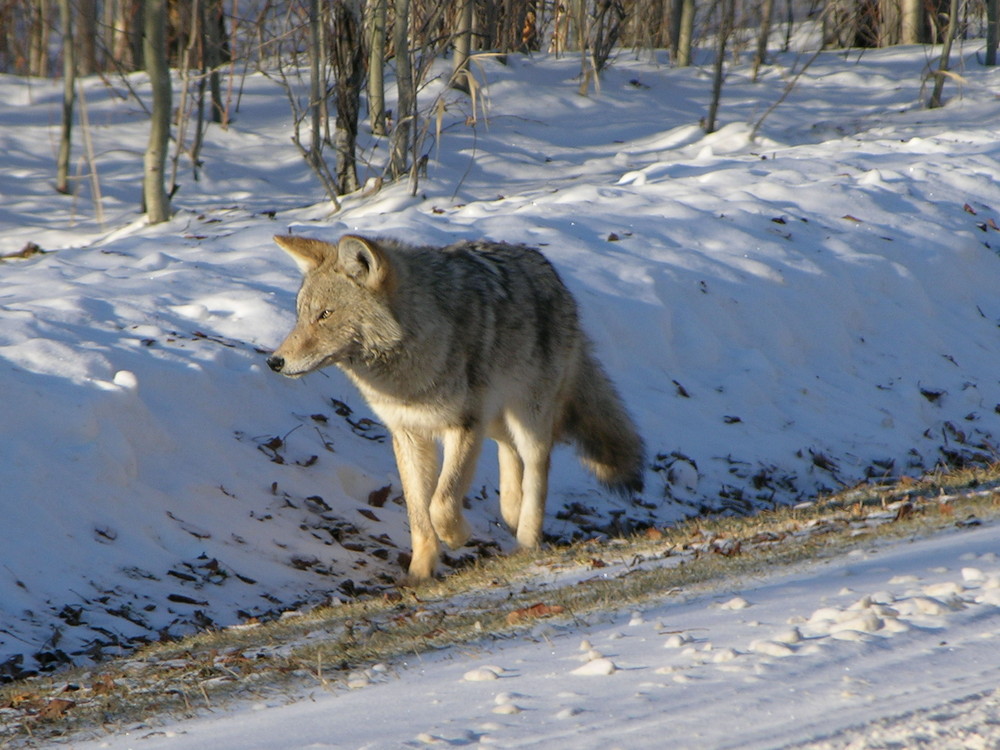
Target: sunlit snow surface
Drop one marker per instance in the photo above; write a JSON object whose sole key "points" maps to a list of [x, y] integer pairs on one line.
{"points": [[782, 316], [849, 651]]}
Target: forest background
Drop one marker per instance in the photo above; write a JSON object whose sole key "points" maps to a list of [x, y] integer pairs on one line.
{"points": [[326, 53]]}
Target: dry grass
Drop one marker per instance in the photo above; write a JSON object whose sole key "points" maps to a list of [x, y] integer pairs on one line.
{"points": [[495, 598]]}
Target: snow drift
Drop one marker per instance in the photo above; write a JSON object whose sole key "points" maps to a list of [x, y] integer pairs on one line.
{"points": [[783, 316]]}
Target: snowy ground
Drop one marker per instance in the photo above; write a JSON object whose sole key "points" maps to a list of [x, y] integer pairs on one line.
{"points": [[782, 315], [884, 648]]}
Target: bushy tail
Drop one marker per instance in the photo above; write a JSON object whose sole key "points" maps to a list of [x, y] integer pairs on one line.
{"points": [[596, 421]]}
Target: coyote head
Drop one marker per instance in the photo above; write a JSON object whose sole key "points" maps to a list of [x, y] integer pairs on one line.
{"points": [[344, 315]]}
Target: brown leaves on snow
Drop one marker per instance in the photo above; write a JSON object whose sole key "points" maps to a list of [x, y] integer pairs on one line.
{"points": [[534, 612]]}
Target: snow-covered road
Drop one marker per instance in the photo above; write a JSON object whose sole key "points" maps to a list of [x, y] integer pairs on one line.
{"points": [[894, 646]]}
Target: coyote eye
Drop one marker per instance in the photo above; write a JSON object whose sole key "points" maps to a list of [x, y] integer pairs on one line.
{"points": [[324, 315]]}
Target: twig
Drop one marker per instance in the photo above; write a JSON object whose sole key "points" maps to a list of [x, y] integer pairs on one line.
{"points": [[88, 146], [789, 87]]}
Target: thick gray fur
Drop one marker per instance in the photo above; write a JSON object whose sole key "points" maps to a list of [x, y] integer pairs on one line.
{"points": [[454, 345]]}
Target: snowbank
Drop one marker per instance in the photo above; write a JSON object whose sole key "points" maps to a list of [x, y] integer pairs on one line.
{"points": [[782, 316]]}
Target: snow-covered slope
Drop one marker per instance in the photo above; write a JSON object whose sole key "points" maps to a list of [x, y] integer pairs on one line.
{"points": [[782, 315]]}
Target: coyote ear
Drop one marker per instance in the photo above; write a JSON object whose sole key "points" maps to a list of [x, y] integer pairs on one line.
{"points": [[308, 254], [364, 261]]}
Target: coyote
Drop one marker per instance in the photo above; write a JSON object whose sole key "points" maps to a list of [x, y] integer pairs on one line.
{"points": [[454, 345]]}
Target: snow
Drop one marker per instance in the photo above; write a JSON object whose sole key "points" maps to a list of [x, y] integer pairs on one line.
{"points": [[782, 315], [885, 636]]}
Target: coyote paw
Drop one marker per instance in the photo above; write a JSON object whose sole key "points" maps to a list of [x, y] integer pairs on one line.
{"points": [[423, 561], [456, 535], [529, 538], [420, 571]]}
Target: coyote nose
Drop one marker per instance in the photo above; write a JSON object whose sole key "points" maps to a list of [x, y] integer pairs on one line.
{"points": [[275, 362]]}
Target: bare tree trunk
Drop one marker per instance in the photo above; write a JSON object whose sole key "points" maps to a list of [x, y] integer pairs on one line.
{"points": [[38, 45], [463, 46], [88, 148], [766, 12], [789, 24], [992, 30], [608, 17], [909, 21], [155, 197], [348, 70], [107, 26], [889, 22], [136, 36], [86, 39], [944, 65], [316, 87], [191, 47], [216, 51], [406, 97], [643, 26], [685, 32], [126, 30], [69, 96], [375, 10], [313, 109], [726, 12], [582, 23]]}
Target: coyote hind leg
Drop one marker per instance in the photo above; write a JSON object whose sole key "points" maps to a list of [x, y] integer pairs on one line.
{"points": [[511, 478], [533, 443]]}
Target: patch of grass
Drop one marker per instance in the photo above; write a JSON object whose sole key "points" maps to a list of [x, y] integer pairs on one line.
{"points": [[492, 599]]}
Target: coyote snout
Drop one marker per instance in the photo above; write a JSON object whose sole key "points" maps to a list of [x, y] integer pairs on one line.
{"points": [[453, 345]]}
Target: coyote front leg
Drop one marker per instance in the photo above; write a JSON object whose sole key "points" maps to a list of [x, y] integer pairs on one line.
{"points": [[417, 461], [461, 450]]}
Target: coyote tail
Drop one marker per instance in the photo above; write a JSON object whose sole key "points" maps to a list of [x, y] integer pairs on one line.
{"points": [[595, 420]]}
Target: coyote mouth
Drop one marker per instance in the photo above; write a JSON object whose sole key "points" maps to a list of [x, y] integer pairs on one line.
{"points": [[280, 365]]}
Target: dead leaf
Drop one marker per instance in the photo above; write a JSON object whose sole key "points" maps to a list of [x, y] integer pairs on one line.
{"points": [[24, 701], [56, 708], [727, 547], [103, 684], [851, 218], [377, 498], [534, 612], [931, 395]]}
